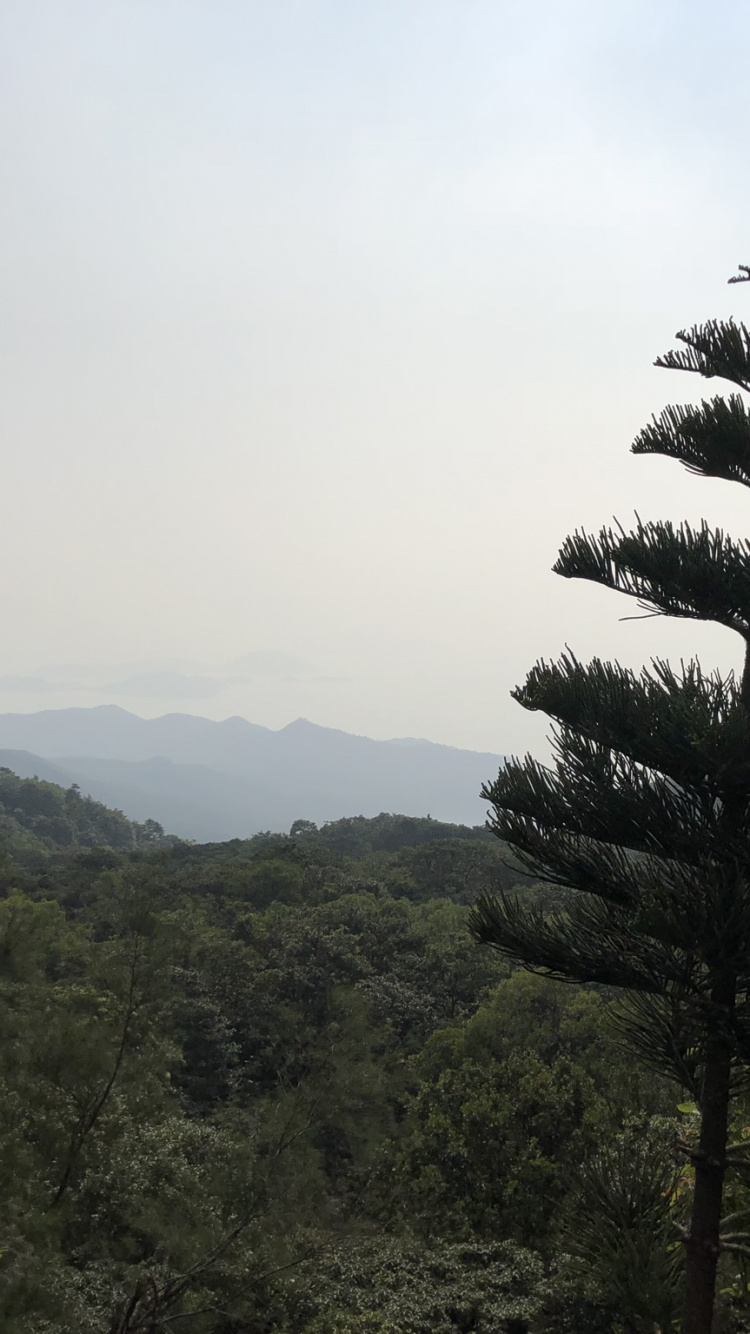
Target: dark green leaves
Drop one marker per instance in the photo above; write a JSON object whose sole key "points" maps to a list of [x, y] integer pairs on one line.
{"points": [[712, 439], [688, 724], [591, 942], [702, 575], [716, 348]]}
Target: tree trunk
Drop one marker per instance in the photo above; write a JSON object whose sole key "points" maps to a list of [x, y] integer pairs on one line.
{"points": [[710, 1161]]}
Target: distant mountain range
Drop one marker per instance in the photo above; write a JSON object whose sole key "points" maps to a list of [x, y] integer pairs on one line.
{"points": [[217, 780]]}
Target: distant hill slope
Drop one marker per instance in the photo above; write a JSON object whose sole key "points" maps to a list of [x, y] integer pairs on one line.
{"points": [[216, 780], [40, 811]]}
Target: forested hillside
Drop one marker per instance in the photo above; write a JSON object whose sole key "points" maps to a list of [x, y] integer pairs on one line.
{"points": [[274, 1085], [37, 817]]}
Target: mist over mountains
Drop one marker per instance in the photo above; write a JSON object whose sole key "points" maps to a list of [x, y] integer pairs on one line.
{"points": [[172, 679], [212, 780]]}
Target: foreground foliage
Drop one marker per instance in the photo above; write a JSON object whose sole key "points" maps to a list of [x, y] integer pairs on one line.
{"points": [[270, 1086]]}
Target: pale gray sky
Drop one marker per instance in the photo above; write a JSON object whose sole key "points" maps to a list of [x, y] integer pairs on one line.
{"points": [[324, 321]]}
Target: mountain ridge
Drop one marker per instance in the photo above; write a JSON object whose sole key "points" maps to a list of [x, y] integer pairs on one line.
{"points": [[205, 778]]}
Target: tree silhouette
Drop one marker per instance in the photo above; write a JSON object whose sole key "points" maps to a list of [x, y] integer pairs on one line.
{"points": [[642, 818]]}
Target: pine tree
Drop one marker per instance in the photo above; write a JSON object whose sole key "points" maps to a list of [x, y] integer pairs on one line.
{"points": [[642, 819]]}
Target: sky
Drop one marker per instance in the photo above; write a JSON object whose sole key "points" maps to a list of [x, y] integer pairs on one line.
{"points": [[324, 323]]}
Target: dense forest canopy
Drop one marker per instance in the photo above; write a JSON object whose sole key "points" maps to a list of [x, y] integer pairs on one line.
{"points": [[36, 817], [276, 1085]]}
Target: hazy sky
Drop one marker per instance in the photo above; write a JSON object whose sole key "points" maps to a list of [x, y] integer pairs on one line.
{"points": [[323, 324]]}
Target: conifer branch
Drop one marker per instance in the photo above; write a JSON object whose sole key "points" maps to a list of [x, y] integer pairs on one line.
{"points": [[697, 574], [712, 439], [717, 348]]}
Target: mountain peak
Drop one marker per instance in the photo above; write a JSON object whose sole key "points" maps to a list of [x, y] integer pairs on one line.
{"points": [[203, 778]]}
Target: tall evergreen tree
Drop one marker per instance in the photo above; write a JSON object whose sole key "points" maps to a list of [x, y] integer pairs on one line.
{"points": [[642, 820]]}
